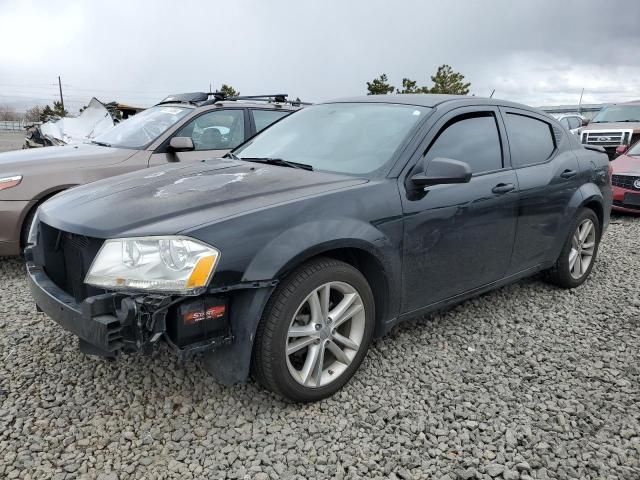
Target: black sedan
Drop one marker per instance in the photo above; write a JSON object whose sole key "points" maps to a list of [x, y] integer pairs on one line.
{"points": [[288, 256]]}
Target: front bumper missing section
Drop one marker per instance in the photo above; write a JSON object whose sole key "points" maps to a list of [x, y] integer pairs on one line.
{"points": [[93, 321], [111, 323]]}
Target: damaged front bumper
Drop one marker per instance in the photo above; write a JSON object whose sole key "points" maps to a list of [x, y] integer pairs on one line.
{"points": [[111, 323], [115, 322]]}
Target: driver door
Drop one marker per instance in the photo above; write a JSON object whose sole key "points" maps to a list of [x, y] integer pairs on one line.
{"points": [[213, 133], [459, 237]]}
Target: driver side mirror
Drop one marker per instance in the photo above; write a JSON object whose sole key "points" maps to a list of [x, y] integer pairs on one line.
{"points": [[621, 150], [181, 144], [440, 171]]}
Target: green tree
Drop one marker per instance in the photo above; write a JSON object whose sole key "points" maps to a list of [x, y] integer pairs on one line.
{"points": [[380, 86], [409, 86], [46, 113], [229, 91], [447, 81], [56, 112], [59, 110]]}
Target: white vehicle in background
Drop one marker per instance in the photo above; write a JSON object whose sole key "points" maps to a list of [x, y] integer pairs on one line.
{"points": [[573, 122]]}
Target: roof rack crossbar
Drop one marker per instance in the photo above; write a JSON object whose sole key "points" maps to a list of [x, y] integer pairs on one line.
{"points": [[209, 98]]}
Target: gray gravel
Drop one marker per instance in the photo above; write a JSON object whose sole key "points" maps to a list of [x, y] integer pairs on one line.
{"points": [[525, 382]]}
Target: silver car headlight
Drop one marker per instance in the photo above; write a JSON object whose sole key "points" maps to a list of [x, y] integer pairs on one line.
{"points": [[175, 265]]}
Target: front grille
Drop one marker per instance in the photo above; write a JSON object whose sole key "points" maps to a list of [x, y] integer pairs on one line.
{"points": [[606, 138], [67, 258], [625, 181]]}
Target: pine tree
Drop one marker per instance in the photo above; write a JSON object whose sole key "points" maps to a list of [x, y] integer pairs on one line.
{"points": [[229, 91], [447, 81], [380, 86], [409, 86]]}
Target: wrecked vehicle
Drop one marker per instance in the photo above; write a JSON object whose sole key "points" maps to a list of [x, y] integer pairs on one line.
{"points": [[181, 128], [287, 257], [93, 121]]}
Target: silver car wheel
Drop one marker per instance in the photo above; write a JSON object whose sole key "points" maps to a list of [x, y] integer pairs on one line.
{"points": [[583, 246], [325, 334]]}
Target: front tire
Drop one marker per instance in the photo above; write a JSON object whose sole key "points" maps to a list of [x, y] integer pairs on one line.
{"points": [[579, 252], [315, 331]]}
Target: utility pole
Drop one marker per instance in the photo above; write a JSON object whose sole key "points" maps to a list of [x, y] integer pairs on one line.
{"points": [[60, 87], [492, 92]]}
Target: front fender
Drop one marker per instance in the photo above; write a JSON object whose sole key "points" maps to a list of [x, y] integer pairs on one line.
{"points": [[377, 252], [231, 364], [293, 246]]}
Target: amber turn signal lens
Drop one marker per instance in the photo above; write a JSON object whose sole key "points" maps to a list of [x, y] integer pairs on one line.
{"points": [[201, 272]]}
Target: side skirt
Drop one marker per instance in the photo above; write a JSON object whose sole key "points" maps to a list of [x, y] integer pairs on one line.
{"points": [[451, 301]]}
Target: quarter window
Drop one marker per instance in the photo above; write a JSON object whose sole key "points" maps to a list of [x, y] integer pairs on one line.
{"points": [[217, 130], [264, 118], [473, 139], [530, 140]]}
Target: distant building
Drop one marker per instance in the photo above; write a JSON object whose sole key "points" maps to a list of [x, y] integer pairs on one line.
{"points": [[586, 110]]}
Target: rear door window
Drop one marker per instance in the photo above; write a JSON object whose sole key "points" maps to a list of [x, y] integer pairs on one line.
{"points": [[471, 138], [263, 118], [531, 140]]}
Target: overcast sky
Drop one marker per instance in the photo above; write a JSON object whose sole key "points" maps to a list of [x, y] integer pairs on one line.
{"points": [[539, 52]]}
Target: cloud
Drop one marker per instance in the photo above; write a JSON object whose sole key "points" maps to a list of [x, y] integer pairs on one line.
{"points": [[535, 51]]}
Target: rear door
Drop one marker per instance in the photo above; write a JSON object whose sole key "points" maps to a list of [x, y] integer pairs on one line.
{"points": [[459, 237], [547, 172], [213, 133]]}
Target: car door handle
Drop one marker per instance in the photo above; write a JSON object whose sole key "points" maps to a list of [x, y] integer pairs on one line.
{"points": [[503, 188], [568, 173]]}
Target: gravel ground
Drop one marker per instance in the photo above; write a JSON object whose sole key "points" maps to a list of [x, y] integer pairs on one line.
{"points": [[526, 382]]}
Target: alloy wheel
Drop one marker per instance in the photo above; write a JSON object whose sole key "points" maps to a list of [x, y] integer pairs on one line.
{"points": [[583, 246], [325, 334]]}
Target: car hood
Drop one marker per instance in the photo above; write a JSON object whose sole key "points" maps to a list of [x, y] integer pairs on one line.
{"points": [[16, 162], [170, 199], [635, 126], [626, 164]]}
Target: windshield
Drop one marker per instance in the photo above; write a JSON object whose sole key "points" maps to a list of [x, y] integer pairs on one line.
{"points": [[634, 150], [356, 138], [618, 113], [143, 128]]}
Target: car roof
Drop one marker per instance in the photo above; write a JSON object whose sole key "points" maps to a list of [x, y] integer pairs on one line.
{"points": [[420, 99], [432, 100]]}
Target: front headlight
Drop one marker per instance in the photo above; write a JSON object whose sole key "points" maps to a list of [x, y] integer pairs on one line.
{"points": [[176, 265]]}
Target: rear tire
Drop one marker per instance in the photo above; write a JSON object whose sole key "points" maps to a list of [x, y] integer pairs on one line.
{"points": [[578, 253], [315, 331]]}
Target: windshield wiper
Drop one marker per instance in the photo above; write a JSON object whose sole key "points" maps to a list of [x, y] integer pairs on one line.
{"points": [[278, 161], [102, 144], [231, 155]]}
